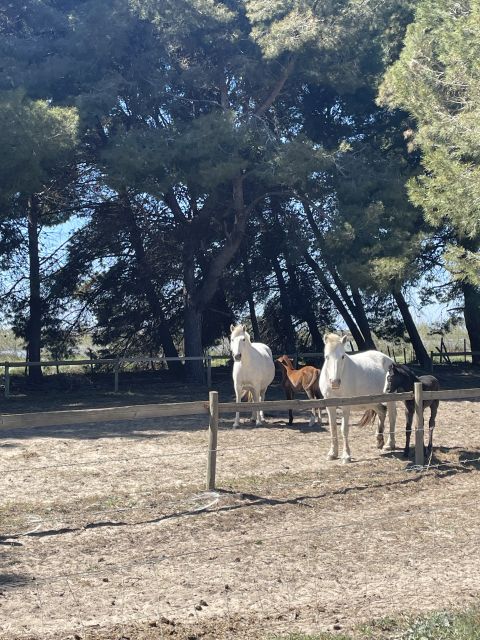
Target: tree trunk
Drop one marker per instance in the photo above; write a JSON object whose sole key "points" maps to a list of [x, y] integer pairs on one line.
{"points": [[250, 300], [303, 305], [290, 337], [337, 301], [34, 327], [471, 296], [193, 342], [353, 316], [199, 294], [361, 318], [145, 282], [192, 320], [416, 340]]}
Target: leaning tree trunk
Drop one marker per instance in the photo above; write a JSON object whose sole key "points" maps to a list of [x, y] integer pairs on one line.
{"points": [[337, 301], [361, 318], [471, 295], [417, 343], [34, 326]]}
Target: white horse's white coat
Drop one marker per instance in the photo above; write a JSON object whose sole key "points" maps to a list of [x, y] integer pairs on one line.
{"points": [[253, 368], [360, 374]]}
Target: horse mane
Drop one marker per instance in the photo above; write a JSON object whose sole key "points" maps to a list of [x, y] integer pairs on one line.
{"points": [[402, 369], [332, 338], [238, 331]]}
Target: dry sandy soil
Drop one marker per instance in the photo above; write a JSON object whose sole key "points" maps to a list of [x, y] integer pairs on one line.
{"points": [[107, 531]]}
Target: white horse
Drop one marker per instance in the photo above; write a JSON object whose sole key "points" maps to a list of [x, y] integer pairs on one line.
{"points": [[253, 368], [361, 374]]}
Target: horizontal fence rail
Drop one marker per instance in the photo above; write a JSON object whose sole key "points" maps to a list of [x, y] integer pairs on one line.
{"points": [[84, 416], [213, 409]]}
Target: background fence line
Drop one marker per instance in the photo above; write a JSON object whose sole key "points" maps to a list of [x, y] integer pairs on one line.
{"points": [[442, 354]]}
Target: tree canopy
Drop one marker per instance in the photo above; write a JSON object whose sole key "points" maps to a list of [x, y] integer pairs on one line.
{"points": [[227, 158]]}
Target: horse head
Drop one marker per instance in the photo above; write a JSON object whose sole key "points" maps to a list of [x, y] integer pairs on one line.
{"points": [[238, 341], [285, 361], [399, 378], [334, 358]]}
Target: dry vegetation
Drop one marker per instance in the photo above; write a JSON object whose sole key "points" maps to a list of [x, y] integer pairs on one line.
{"points": [[108, 532]]}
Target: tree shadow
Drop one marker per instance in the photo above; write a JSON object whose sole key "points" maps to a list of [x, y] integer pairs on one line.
{"points": [[11, 580]]}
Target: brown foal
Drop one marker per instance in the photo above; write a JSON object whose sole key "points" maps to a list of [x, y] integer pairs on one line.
{"points": [[304, 379]]}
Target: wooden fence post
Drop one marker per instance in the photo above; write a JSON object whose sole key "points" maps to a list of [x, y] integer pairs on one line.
{"points": [[7, 380], [212, 440], [117, 366], [431, 361], [419, 456]]}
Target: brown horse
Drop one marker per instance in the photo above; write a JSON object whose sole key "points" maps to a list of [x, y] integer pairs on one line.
{"points": [[304, 379]]}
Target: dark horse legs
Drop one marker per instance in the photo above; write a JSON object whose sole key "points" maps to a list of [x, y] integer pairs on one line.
{"points": [[409, 411], [431, 423]]}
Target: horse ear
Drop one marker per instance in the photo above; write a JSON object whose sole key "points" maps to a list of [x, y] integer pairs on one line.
{"points": [[231, 328], [244, 327], [325, 338], [344, 339]]}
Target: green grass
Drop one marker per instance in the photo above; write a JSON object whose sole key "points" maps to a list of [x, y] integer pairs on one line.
{"points": [[437, 626]]}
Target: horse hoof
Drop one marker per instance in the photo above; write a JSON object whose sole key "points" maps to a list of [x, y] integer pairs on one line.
{"points": [[389, 447], [346, 459], [332, 456], [235, 425], [380, 443], [259, 424], [406, 453]]}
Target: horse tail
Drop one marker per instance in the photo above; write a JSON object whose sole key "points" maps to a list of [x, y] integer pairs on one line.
{"points": [[368, 417], [247, 396]]}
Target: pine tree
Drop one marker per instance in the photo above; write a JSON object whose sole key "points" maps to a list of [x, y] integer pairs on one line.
{"points": [[437, 80]]}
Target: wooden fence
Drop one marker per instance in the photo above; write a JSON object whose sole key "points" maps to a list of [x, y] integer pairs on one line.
{"points": [[117, 364], [213, 409], [441, 354]]}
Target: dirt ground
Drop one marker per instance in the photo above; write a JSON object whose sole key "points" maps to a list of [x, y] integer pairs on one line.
{"points": [[107, 530]]}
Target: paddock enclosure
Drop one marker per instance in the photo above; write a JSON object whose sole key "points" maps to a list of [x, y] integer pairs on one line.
{"points": [[107, 530]]}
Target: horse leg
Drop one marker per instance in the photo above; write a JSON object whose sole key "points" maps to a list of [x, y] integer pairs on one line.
{"points": [[313, 418], [238, 396], [261, 399], [332, 419], [431, 424], [289, 395], [253, 418], [318, 396], [256, 398], [409, 411], [345, 426], [392, 416], [381, 412]]}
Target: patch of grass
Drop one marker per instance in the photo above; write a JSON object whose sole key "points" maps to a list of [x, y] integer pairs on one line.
{"points": [[445, 626], [463, 625], [326, 635]]}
